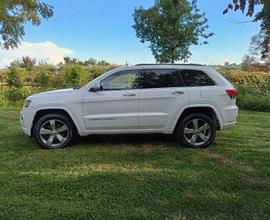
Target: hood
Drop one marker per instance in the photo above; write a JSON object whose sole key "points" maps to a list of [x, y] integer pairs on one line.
{"points": [[59, 92]]}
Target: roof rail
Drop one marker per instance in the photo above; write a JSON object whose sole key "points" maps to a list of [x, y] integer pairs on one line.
{"points": [[149, 64]]}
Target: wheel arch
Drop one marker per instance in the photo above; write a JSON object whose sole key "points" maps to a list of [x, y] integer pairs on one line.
{"points": [[41, 112], [207, 110]]}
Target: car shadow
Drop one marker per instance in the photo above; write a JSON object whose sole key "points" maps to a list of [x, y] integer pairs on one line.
{"points": [[128, 139]]}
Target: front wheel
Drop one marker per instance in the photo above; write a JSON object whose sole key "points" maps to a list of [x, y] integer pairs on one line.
{"points": [[54, 131], [196, 131]]}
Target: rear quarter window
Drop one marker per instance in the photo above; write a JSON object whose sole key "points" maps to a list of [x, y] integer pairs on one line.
{"points": [[196, 78]]}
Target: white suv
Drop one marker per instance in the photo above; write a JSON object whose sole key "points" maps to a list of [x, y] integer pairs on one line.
{"points": [[190, 101]]}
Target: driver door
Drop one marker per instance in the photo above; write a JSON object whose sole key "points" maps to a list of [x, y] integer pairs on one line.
{"points": [[115, 106]]}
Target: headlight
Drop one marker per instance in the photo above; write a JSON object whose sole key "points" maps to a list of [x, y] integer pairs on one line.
{"points": [[27, 102]]}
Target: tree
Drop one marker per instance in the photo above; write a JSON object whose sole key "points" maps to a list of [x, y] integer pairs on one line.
{"points": [[256, 46], [251, 64], [69, 60], [103, 63], [263, 15], [171, 27], [14, 14], [249, 60], [90, 61], [253, 60], [28, 62]]}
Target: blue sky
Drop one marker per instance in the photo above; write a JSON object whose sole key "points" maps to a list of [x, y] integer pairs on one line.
{"points": [[103, 29]]}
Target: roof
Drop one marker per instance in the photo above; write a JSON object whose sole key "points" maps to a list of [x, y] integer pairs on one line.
{"points": [[191, 64]]}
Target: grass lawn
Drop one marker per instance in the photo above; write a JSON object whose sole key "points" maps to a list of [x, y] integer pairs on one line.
{"points": [[137, 177]]}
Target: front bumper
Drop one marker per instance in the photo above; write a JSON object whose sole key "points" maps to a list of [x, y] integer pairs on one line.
{"points": [[26, 120]]}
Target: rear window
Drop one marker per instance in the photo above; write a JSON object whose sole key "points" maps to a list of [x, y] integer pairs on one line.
{"points": [[159, 78], [196, 78]]}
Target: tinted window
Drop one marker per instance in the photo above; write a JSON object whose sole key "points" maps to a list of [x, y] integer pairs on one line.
{"points": [[196, 78], [161, 79], [127, 79]]}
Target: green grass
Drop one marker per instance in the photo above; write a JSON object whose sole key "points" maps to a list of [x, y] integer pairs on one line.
{"points": [[137, 177]]}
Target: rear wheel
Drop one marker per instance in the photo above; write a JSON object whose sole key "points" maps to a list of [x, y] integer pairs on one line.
{"points": [[196, 131], [54, 131]]}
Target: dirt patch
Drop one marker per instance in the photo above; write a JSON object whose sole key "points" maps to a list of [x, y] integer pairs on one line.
{"points": [[226, 161], [125, 148]]}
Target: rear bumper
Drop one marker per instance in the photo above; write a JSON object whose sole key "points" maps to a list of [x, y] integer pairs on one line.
{"points": [[230, 115], [228, 125]]}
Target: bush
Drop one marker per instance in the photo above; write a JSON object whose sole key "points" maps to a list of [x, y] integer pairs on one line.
{"points": [[42, 79], [23, 81], [251, 79], [72, 74], [3, 76], [3, 100], [253, 87], [254, 103], [13, 95], [14, 78], [253, 98]]}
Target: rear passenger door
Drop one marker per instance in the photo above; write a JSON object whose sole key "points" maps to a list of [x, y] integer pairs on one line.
{"points": [[201, 88], [162, 97]]}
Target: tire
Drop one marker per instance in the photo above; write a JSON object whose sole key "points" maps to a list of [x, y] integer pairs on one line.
{"points": [[204, 133], [54, 131]]}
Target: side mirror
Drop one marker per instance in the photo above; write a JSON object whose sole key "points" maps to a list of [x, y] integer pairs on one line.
{"points": [[96, 87]]}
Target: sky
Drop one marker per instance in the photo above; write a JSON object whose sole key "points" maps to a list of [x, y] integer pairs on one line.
{"points": [[102, 29]]}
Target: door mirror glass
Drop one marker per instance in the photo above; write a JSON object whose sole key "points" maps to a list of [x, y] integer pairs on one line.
{"points": [[96, 87]]}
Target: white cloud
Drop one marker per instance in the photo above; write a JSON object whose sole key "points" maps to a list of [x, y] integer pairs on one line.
{"points": [[46, 51]]}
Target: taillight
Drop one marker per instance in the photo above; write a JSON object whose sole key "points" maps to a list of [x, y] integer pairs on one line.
{"points": [[232, 93]]}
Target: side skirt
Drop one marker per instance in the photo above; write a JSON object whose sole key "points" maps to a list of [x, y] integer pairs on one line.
{"points": [[127, 131]]}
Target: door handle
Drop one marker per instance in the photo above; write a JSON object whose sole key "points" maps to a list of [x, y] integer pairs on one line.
{"points": [[129, 94], [178, 92]]}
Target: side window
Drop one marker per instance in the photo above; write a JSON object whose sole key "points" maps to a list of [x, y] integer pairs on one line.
{"points": [[161, 79], [196, 78], [123, 80]]}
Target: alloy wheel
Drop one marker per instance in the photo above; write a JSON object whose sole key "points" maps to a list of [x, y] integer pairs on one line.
{"points": [[197, 132], [54, 133]]}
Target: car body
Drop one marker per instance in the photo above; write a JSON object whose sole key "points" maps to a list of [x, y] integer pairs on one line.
{"points": [[137, 99]]}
